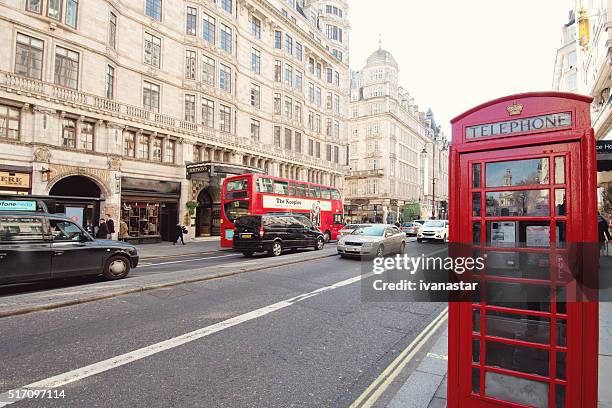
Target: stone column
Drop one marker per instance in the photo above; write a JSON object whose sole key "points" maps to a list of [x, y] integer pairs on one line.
{"points": [[102, 138], [151, 140], [112, 203], [77, 140], [25, 131]]}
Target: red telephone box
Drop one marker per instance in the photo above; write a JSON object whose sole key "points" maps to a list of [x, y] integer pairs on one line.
{"points": [[522, 193]]}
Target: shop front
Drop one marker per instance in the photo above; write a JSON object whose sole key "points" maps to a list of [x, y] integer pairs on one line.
{"points": [[15, 180], [150, 209]]}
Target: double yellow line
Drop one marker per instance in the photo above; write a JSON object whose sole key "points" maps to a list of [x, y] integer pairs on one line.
{"points": [[369, 397]]}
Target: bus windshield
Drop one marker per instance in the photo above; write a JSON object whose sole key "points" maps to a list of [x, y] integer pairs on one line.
{"points": [[235, 209]]}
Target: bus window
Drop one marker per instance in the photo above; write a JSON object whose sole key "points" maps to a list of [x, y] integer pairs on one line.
{"points": [[311, 191], [325, 194], [235, 209], [264, 185], [338, 219], [237, 185], [292, 189], [281, 187], [301, 190], [335, 195], [317, 192]]}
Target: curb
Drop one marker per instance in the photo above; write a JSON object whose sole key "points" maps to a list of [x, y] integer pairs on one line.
{"points": [[146, 288], [187, 254]]}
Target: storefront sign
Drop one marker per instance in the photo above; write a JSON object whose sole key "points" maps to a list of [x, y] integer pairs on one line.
{"points": [[286, 203], [533, 124], [18, 180], [17, 205]]}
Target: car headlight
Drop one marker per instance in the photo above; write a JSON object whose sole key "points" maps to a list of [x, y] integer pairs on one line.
{"points": [[132, 251]]}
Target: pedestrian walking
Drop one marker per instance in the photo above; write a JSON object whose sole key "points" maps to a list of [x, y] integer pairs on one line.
{"points": [[180, 230], [123, 231], [102, 229], [110, 224], [603, 229]]}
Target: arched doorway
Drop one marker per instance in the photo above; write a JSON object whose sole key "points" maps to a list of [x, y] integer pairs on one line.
{"points": [[204, 214], [79, 198]]}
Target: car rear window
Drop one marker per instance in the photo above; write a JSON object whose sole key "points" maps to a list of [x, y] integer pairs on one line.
{"points": [[16, 229], [248, 221]]}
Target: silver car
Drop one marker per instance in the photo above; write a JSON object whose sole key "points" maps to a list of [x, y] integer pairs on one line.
{"points": [[372, 240]]}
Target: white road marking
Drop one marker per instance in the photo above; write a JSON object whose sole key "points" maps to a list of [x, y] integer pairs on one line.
{"points": [[190, 260], [123, 359]]}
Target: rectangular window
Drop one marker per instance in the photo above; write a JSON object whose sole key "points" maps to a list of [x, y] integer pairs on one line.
{"points": [[150, 96], [112, 31], [256, 27], [54, 9], [9, 122], [71, 13], [143, 147], [336, 154], [256, 61], [225, 78], [154, 9], [277, 103], [227, 5], [318, 71], [337, 103], [190, 108], [192, 21], [336, 78], [66, 67], [22, 229], [255, 96], [35, 6], [255, 130], [278, 68], [311, 96], [152, 50], [318, 96], [517, 173], [278, 40], [318, 150], [208, 70], [28, 58], [298, 80], [69, 133], [310, 147], [225, 118], [288, 139], [277, 136], [330, 74], [298, 112], [190, 64], [226, 38], [298, 51], [129, 140], [288, 74], [208, 28], [298, 142], [288, 44], [170, 149], [87, 136], [208, 113], [109, 83], [288, 107], [157, 148], [328, 152]]}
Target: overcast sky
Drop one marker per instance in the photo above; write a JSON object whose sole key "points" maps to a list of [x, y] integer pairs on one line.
{"points": [[453, 55]]}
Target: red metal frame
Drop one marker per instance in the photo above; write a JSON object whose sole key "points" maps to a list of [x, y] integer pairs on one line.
{"points": [[576, 145], [256, 205]]}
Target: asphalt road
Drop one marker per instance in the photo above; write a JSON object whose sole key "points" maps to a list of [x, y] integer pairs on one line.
{"points": [[296, 335]]}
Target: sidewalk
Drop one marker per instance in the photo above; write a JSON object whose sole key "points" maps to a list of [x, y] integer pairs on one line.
{"points": [[426, 386], [166, 249]]}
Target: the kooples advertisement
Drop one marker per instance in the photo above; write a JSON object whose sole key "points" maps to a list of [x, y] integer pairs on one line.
{"points": [[314, 207]]}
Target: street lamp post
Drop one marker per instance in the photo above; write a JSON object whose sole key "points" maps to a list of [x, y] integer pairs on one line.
{"points": [[433, 167]]}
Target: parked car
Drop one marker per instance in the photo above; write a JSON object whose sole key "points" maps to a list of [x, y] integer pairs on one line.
{"points": [[372, 240], [433, 230], [36, 245], [348, 228], [274, 233], [410, 228]]}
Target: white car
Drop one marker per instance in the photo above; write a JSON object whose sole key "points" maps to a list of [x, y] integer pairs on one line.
{"points": [[433, 230]]}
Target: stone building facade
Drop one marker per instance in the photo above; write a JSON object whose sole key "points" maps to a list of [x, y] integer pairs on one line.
{"points": [[138, 108], [397, 153]]}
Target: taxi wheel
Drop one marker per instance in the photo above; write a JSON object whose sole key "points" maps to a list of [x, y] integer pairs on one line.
{"points": [[277, 249], [117, 267], [319, 244]]}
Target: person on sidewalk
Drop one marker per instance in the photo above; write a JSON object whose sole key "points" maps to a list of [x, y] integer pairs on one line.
{"points": [[180, 230], [102, 230], [123, 231], [603, 229], [110, 224]]}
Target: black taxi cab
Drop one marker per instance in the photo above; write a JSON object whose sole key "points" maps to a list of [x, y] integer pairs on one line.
{"points": [[37, 245]]}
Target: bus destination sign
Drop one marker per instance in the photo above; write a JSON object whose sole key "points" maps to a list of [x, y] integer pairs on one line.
{"points": [[520, 125]]}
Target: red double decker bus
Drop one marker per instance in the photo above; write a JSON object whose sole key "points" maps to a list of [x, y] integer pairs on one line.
{"points": [[249, 194]]}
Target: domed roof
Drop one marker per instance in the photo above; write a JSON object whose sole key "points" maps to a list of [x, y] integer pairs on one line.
{"points": [[381, 56]]}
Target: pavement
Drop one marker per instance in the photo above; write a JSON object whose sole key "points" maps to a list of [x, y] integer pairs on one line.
{"points": [[165, 249]]}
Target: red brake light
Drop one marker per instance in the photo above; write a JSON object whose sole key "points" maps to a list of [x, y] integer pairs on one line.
{"points": [[261, 231]]}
